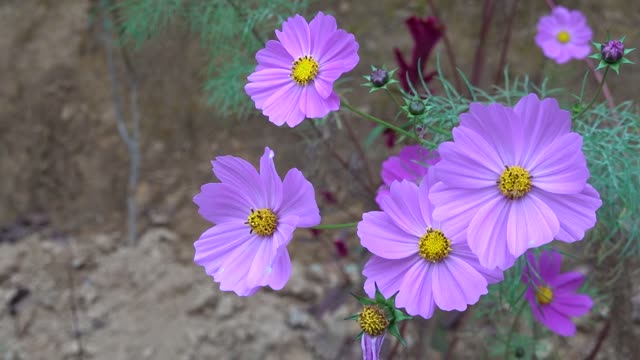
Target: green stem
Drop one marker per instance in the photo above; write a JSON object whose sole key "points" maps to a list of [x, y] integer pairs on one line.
{"points": [[604, 77], [386, 124], [393, 97], [512, 329], [334, 226]]}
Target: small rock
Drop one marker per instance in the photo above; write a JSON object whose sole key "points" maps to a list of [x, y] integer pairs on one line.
{"points": [[226, 308], [204, 300], [105, 243], [148, 352], [155, 235]]}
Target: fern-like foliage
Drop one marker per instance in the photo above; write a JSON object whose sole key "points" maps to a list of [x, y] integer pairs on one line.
{"points": [[232, 31]]}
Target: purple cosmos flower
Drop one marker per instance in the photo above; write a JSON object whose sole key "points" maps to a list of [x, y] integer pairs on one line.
{"points": [[255, 215], [295, 75], [425, 33], [514, 179], [412, 255], [552, 294], [564, 35], [412, 163]]}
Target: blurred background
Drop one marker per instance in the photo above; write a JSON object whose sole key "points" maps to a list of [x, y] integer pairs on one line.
{"points": [[73, 285]]}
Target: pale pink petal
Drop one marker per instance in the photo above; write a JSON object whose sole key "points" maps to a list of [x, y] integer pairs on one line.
{"points": [[571, 304], [456, 284], [567, 282], [416, 294], [387, 274], [243, 176], [403, 207], [281, 270], [313, 105], [218, 242], [531, 223], [270, 180], [299, 200], [321, 28], [576, 212], [219, 203], [381, 236], [295, 37], [487, 234], [371, 346], [462, 251], [274, 55], [561, 167], [284, 105], [264, 83]]}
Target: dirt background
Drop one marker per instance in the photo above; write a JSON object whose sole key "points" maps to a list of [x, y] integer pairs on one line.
{"points": [[70, 287]]}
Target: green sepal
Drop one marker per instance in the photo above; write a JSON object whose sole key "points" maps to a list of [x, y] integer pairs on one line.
{"points": [[595, 56], [395, 332], [626, 61], [602, 64], [616, 67], [380, 299], [399, 315], [626, 51], [359, 337], [363, 300], [353, 317]]}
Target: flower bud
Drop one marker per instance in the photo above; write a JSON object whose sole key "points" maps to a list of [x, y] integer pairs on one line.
{"points": [[379, 77], [612, 51], [416, 108]]}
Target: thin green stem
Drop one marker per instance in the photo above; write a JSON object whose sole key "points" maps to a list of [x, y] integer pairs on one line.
{"points": [[334, 226], [604, 77], [387, 125], [393, 97], [512, 329]]}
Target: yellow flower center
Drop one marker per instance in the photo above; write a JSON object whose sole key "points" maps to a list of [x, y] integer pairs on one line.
{"points": [[563, 37], [515, 182], [263, 222], [304, 70], [434, 246], [544, 295], [372, 320]]}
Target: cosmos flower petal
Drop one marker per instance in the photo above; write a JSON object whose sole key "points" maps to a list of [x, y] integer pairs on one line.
{"points": [[572, 305], [340, 50], [387, 274], [233, 271], [561, 168], [497, 124], [456, 284], [381, 236], [284, 106], [454, 208], [220, 203], [531, 223], [557, 322], [215, 244], [576, 212], [270, 179], [487, 234], [295, 36], [319, 28], [299, 199], [281, 270], [264, 83], [403, 207], [261, 267], [543, 122], [462, 251], [371, 346], [274, 55], [314, 105], [569, 281], [416, 294], [240, 174]]}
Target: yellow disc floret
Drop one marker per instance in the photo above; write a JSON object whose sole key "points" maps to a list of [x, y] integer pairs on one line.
{"points": [[563, 37], [544, 295], [515, 182], [434, 246], [262, 221], [304, 70], [372, 320]]}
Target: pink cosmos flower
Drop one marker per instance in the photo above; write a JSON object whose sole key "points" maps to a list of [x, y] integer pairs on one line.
{"points": [[295, 74], [414, 257], [255, 215], [514, 179], [564, 35], [412, 163], [552, 294]]}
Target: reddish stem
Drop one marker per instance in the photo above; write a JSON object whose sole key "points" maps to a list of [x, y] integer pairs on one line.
{"points": [[506, 41], [447, 45], [488, 8]]}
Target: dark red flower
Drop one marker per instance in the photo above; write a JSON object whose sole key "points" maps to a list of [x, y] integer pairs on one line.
{"points": [[425, 33]]}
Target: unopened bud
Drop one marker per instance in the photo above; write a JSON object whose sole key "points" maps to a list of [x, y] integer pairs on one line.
{"points": [[416, 108], [379, 77], [612, 51]]}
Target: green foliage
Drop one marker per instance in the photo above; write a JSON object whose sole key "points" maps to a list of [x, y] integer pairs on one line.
{"points": [[232, 31]]}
